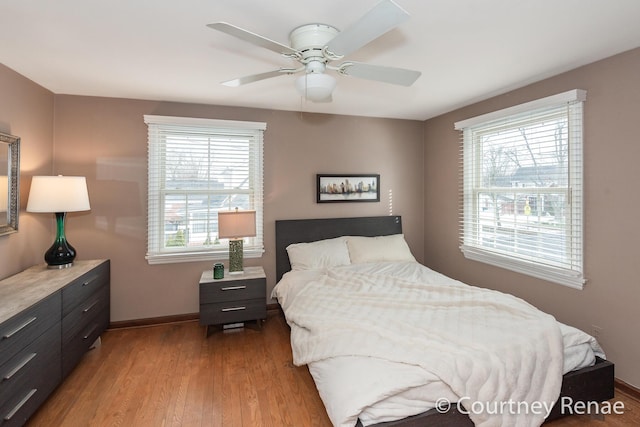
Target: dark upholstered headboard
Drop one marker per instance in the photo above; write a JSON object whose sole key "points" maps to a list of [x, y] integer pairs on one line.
{"points": [[310, 230]]}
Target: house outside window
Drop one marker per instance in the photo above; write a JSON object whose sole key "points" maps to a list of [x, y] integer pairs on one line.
{"points": [[196, 168], [522, 188]]}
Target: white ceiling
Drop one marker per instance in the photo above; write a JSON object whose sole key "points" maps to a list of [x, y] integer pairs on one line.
{"points": [[467, 50]]}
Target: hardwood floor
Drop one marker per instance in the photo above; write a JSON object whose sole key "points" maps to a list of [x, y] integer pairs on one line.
{"points": [[171, 375]]}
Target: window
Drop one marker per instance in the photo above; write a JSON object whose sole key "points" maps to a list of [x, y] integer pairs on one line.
{"points": [[198, 167], [522, 188]]}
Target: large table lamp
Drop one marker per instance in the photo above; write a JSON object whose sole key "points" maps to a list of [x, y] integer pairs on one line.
{"points": [[235, 225], [59, 195]]}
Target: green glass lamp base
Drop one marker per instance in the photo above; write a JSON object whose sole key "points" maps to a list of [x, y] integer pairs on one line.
{"points": [[236, 258], [61, 254]]}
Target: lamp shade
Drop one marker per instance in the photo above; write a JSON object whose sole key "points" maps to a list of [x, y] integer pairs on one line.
{"points": [[58, 194], [316, 87], [234, 224]]}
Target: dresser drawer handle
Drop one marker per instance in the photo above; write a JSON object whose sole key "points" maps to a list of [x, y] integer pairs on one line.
{"points": [[233, 288], [88, 282], [88, 334], [20, 404], [20, 366], [19, 328], [91, 306], [234, 308]]}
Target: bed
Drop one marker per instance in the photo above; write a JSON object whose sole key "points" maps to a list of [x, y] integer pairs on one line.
{"points": [[406, 398]]}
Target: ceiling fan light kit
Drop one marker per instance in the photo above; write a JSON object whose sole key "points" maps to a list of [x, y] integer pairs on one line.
{"points": [[315, 46], [316, 87]]}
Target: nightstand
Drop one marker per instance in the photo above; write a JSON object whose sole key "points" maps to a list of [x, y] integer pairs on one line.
{"points": [[234, 299]]}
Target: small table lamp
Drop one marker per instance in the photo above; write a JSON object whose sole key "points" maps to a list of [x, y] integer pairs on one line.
{"points": [[59, 195], [234, 225]]}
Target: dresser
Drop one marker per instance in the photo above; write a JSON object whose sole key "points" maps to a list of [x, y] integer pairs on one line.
{"points": [[233, 299], [48, 321]]}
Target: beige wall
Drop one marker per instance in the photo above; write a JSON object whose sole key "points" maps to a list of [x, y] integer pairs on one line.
{"points": [[26, 111], [612, 236], [105, 140]]}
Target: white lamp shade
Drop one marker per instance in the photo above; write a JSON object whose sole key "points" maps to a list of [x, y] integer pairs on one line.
{"points": [[4, 193], [234, 224], [315, 86], [58, 194]]}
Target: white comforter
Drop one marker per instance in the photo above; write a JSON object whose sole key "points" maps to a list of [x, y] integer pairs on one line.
{"points": [[385, 341]]}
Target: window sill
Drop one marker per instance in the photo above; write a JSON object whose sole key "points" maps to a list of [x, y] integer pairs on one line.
{"points": [[556, 275], [173, 258]]}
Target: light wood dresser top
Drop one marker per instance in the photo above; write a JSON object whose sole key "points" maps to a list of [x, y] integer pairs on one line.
{"points": [[24, 289]]}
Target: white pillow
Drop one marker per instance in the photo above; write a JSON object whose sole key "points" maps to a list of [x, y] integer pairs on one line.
{"points": [[317, 255], [378, 249]]}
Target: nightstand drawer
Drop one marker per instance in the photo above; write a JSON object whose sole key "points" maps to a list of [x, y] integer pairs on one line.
{"points": [[216, 292], [232, 311], [23, 328]]}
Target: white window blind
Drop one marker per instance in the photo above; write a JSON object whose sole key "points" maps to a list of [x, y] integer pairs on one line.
{"points": [[197, 167], [522, 188]]}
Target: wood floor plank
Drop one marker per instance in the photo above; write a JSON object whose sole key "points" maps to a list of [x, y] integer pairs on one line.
{"points": [[174, 375]]}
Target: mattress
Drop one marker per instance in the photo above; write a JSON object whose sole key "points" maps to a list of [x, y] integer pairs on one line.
{"points": [[381, 386]]}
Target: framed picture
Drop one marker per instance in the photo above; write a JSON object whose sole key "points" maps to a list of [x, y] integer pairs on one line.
{"points": [[348, 188]]}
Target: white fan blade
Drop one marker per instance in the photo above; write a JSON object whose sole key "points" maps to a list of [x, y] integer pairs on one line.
{"points": [[257, 77], [396, 76], [384, 17], [253, 38]]}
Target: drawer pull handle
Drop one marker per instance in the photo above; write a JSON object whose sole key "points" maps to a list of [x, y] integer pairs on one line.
{"points": [[233, 288], [20, 366], [91, 306], [88, 282], [20, 404], [88, 334], [19, 328], [234, 308]]}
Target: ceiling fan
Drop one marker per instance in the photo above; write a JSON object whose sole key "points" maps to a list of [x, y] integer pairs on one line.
{"points": [[315, 46]]}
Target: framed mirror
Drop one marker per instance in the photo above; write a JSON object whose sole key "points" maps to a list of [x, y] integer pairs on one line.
{"points": [[9, 183]]}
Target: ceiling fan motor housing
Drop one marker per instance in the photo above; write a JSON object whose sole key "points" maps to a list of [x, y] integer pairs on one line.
{"points": [[310, 41]]}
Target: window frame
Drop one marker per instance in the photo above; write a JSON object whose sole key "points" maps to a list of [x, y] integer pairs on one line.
{"points": [[157, 250], [471, 244]]}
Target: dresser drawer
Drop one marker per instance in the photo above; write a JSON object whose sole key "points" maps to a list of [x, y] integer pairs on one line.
{"points": [[40, 358], [81, 288], [233, 311], [29, 378], [75, 346], [77, 319], [17, 332], [33, 352], [17, 410], [236, 290]]}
